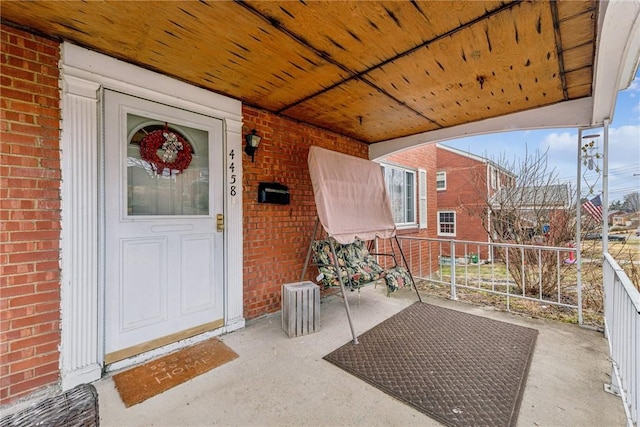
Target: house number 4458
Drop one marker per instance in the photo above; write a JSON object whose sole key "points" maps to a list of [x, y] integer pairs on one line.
{"points": [[232, 178]]}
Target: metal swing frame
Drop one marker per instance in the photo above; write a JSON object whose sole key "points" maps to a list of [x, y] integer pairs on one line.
{"points": [[341, 277]]}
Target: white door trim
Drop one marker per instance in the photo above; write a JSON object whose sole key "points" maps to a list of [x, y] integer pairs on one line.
{"points": [[84, 74]]}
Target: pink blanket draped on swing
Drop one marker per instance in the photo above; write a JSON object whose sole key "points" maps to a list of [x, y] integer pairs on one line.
{"points": [[351, 196]]}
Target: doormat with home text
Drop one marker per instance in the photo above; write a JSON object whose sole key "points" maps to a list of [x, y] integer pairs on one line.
{"points": [[156, 376]]}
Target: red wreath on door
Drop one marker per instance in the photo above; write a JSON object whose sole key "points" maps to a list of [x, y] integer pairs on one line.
{"points": [[175, 152]]}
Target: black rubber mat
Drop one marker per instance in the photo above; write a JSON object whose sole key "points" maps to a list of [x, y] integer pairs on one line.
{"points": [[460, 369]]}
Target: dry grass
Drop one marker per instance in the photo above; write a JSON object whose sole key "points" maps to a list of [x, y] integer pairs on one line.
{"points": [[627, 254], [512, 303]]}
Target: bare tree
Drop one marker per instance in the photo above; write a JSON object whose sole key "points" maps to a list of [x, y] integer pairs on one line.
{"points": [[631, 202], [534, 210]]}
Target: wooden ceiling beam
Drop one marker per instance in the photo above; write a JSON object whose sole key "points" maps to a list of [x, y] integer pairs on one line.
{"points": [[370, 70], [556, 32], [361, 75]]}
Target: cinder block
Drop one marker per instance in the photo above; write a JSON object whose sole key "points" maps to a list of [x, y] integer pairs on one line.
{"points": [[300, 308]]}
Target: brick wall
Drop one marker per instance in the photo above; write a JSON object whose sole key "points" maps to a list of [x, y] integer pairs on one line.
{"points": [[466, 195], [276, 237], [423, 157], [29, 214]]}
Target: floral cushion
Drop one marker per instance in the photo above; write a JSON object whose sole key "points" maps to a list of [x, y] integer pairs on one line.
{"points": [[324, 259], [354, 260], [357, 265], [365, 266], [397, 277]]}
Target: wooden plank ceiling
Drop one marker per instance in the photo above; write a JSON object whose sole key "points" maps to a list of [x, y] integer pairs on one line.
{"points": [[370, 70]]}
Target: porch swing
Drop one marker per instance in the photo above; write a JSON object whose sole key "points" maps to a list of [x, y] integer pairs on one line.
{"points": [[354, 210]]}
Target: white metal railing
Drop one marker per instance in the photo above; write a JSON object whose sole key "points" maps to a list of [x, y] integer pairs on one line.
{"points": [[543, 274], [547, 275], [622, 328]]}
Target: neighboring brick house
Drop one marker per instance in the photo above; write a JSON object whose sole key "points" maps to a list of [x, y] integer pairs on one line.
{"points": [[538, 214], [617, 218], [410, 177], [458, 186], [464, 183], [624, 219]]}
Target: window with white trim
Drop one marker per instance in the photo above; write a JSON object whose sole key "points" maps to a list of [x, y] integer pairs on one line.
{"points": [[401, 186], [493, 173], [446, 223], [441, 181]]}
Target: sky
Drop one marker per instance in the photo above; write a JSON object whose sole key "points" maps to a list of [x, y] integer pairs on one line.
{"points": [[561, 146]]}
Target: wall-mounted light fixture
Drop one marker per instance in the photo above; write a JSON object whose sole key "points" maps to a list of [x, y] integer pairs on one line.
{"points": [[253, 140]]}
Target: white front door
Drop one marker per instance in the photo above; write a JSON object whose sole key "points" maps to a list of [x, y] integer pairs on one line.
{"points": [[164, 254]]}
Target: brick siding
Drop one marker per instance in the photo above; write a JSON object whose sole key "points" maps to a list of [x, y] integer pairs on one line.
{"points": [[29, 214], [423, 157], [466, 195], [276, 237]]}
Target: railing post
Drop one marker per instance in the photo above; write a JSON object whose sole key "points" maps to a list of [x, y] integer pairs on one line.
{"points": [[453, 269], [514, 255]]}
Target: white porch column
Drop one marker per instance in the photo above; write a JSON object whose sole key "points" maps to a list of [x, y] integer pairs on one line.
{"points": [[79, 352], [605, 189], [233, 216]]}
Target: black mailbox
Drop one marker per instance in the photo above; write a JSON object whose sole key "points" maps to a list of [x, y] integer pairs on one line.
{"points": [[272, 192]]}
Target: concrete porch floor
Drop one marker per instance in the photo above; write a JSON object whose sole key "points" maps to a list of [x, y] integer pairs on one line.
{"points": [[281, 381]]}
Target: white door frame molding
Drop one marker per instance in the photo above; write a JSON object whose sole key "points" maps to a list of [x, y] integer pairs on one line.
{"points": [[84, 74]]}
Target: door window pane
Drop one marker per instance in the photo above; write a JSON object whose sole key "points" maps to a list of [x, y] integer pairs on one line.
{"points": [[154, 190]]}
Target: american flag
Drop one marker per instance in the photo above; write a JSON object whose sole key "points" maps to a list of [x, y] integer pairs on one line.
{"points": [[594, 207]]}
